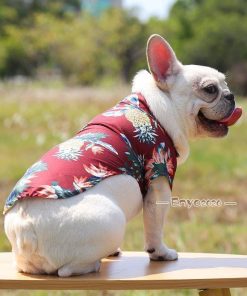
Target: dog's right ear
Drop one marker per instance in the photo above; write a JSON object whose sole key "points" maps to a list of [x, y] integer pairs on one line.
{"points": [[162, 60]]}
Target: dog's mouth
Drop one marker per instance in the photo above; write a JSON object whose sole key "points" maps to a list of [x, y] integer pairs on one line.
{"points": [[220, 127]]}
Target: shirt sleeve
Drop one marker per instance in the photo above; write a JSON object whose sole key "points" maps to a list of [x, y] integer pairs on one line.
{"points": [[160, 163]]}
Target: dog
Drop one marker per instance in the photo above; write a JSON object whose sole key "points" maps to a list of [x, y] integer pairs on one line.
{"points": [[54, 229]]}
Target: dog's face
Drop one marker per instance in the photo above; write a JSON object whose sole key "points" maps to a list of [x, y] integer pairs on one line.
{"points": [[205, 105]]}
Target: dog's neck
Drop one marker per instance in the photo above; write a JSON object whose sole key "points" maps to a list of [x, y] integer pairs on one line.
{"points": [[161, 107]]}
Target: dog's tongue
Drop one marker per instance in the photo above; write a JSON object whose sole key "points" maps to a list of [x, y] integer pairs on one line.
{"points": [[233, 118]]}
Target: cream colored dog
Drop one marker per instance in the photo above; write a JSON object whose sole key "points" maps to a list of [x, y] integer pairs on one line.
{"points": [[70, 236]]}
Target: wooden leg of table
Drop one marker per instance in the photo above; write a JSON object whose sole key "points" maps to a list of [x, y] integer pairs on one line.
{"points": [[215, 292]]}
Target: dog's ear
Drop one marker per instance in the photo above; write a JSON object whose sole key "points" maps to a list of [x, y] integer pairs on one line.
{"points": [[161, 59]]}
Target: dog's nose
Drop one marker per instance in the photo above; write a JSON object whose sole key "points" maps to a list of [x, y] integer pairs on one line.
{"points": [[229, 97]]}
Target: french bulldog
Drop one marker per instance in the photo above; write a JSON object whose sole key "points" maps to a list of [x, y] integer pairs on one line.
{"points": [[68, 232]]}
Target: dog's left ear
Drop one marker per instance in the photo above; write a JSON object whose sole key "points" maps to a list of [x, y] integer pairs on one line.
{"points": [[161, 59]]}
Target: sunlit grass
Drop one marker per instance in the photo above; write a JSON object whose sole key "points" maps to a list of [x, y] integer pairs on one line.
{"points": [[30, 124]]}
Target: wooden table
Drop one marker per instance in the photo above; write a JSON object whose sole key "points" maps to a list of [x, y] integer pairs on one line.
{"points": [[212, 274]]}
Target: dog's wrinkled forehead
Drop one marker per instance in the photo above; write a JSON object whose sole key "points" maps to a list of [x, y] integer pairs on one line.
{"points": [[199, 76]]}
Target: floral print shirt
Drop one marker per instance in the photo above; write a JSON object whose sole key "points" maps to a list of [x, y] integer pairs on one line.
{"points": [[126, 139]]}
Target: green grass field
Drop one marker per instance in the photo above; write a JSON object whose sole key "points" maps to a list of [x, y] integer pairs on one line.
{"points": [[33, 119]]}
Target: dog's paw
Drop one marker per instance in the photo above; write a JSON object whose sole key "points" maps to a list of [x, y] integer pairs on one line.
{"points": [[162, 254], [116, 254]]}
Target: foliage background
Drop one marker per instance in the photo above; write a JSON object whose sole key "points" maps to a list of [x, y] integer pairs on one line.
{"points": [[71, 66], [58, 38]]}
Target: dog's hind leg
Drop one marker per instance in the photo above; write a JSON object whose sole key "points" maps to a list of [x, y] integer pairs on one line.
{"points": [[23, 238], [75, 268]]}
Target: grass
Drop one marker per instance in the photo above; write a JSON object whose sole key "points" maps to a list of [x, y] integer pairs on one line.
{"points": [[34, 119]]}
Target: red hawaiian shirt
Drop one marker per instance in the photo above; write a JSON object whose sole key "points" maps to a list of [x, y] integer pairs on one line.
{"points": [[126, 139]]}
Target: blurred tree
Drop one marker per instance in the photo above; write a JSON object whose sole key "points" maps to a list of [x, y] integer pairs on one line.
{"points": [[121, 36], [84, 49], [57, 35], [24, 9]]}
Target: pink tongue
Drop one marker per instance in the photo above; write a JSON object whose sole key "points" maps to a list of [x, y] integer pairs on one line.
{"points": [[233, 118]]}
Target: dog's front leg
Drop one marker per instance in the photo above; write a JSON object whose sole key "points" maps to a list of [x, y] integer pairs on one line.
{"points": [[156, 205]]}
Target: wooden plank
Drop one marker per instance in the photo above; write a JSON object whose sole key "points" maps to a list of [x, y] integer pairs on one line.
{"points": [[133, 270], [215, 292]]}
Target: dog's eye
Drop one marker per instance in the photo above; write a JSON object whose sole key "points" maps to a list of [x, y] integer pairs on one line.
{"points": [[211, 89]]}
